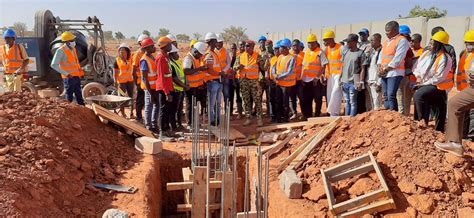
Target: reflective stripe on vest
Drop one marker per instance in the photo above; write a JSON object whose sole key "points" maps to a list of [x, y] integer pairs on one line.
{"points": [[448, 83], [465, 63], [196, 79], [12, 59], [71, 65], [250, 70], [216, 65], [282, 65], [152, 75], [137, 56], [180, 73], [312, 63], [335, 59], [389, 50], [124, 71]]}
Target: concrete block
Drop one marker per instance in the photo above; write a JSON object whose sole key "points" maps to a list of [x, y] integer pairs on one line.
{"points": [[114, 213], [148, 145], [291, 184], [48, 93]]}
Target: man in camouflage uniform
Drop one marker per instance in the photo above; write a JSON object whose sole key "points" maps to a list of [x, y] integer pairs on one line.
{"points": [[264, 66]]}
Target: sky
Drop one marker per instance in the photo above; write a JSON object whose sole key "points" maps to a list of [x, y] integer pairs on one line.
{"points": [[259, 17]]}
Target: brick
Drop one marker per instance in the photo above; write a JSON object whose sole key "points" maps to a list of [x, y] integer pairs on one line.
{"points": [[48, 93], [291, 184], [148, 145]]}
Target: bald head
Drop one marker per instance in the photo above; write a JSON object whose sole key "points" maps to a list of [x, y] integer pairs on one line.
{"points": [[391, 29]]}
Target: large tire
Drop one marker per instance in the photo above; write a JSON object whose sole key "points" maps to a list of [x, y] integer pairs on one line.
{"points": [[29, 87], [92, 89], [43, 27]]}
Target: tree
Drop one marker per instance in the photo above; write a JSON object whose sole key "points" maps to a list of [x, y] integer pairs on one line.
{"points": [[108, 35], [430, 13], [163, 32], [234, 34], [20, 28], [119, 35], [197, 36], [183, 38], [146, 32]]}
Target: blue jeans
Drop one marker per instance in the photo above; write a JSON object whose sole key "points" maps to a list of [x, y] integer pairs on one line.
{"points": [[151, 109], [350, 95], [390, 86], [73, 88], [214, 90]]}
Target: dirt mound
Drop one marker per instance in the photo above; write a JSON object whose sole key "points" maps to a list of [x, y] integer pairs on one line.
{"points": [[50, 150], [421, 178]]}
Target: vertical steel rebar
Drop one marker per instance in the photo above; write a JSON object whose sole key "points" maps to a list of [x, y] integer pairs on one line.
{"points": [[267, 181], [208, 177], [234, 182], [259, 180]]}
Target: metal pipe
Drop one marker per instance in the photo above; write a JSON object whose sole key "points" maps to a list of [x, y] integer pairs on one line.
{"points": [[259, 177], [267, 181], [234, 182], [208, 203]]}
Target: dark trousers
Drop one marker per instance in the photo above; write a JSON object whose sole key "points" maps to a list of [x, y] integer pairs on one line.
{"points": [[73, 89], [139, 102], [311, 91], [429, 98], [228, 91], [179, 108], [177, 112], [200, 96], [361, 98], [272, 89], [264, 87], [238, 96], [294, 95], [283, 95], [166, 118], [129, 87]]}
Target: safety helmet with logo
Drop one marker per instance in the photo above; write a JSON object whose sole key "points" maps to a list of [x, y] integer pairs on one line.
{"points": [[172, 37], [311, 38], [9, 33], [329, 35], [200, 47], [469, 36], [209, 36], [67, 36], [142, 37], [262, 38], [405, 30], [219, 37], [285, 43], [147, 42], [441, 36]]}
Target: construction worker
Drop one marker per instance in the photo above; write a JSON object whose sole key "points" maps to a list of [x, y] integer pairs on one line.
{"points": [[465, 63], [353, 73], [415, 45], [405, 91], [374, 83], [285, 78], [173, 39], [314, 64], [272, 84], [364, 43], [231, 77], [137, 78], [263, 69], [123, 75], [148, 84], [392, 64], [214, 73], [66, 62], [296, 50], [363, 96], [238, 76], [449, 48], [194, 72], [179, 84], [225, 63], [334, 92], [461, 103], [14, 59], [249, 73], [164, 86], [191, 44], [433, 79]]}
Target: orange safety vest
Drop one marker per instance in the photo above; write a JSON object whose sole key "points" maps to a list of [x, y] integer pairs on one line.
{"points": [[238, 74], [388, 52], [152, 72], [12, 60], [196, 79], [71, 65], [312, 63], [124, 70], [136, 62], [273, 62], [448, 83], [222, 54], [418, 52], [216, 66], [335, 60], [250, 70], [282, 65], [465, 63]]}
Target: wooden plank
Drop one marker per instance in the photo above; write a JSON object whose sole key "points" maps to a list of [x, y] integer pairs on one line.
{"points": [[328, 190], [293, 155], [279, 145], [187, 177], [323, 120], [325, 132], [371, 208], [379, 173], [227, 192], [250, 214], [352, 172], [189, 207], [233, 133], [176, 186], [311, 121], [121, 121], [358, 201], [199, 192], [331, 171]]}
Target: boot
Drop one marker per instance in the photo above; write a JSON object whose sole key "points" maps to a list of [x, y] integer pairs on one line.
{"points": [[247, 122], [259, 122], [450, 147], [239, 109]]}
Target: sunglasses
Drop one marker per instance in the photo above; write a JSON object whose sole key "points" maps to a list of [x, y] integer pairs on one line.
{"points": [[248, 46]]}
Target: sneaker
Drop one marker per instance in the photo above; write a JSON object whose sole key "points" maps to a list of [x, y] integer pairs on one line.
{"points": [[165, 137], [293, 117], [247, 122], [259, 122], [450, 147]]}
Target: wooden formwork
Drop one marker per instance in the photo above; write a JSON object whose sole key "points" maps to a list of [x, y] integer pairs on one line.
{"points": [[375, 201]]}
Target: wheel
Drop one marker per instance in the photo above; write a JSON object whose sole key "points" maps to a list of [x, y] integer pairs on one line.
{"points": [[92, 89], [43, 27], [99, 63], [29, 87]]}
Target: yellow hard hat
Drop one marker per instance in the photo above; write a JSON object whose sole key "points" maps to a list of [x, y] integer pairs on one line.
{"points": [[312, 38], [469, 36], [192, 42], [329, 35], [441, 36], [67, 36]]}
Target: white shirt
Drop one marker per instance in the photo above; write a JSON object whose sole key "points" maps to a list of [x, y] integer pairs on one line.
{"points": [[373, 76], [436, 74], [400, 53]]}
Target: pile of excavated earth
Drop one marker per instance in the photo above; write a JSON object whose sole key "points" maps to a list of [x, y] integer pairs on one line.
{"points": [[421, 179], [50, 152]]}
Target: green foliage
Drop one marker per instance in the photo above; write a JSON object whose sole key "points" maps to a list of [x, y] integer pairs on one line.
{"points": [[197, 36], [430, 13], [119, 35], [183, 38], [146, 32], [108, 35], [234, 34], [163, 32]]}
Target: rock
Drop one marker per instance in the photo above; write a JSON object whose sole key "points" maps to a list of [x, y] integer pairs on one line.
{"points": [[388, 118], [465, 212], [149, 145], [95, 141], [114, 213], [462, 179], [422, 203], [357, 143], [76, 126], [76, 211], [428, 180], [362, 186], [407, 187], [467, 198], [315, 192], [291, 184], [454, 160], [75, 162], [49, 162], [4, 150], [411, 212], [3, 141]]}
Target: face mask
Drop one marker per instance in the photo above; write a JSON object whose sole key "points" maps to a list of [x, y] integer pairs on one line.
{"points": [[470, 48], [72, 44]]}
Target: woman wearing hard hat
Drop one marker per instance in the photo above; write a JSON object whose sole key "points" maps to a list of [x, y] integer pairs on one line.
{"points": [[123, 75]]}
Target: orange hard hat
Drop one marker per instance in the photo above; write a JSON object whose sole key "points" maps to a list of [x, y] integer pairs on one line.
{"points": [[147, 42], [164, 41]]}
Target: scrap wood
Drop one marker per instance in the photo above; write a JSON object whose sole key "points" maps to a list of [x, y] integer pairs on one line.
{"points": [[280, 144], [233, 133], [121, 121], [312, 121]]}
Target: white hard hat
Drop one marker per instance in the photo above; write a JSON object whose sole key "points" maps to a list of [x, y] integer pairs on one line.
{"points": [[141, 37], [173, 49], [172, 37], [210, 36], [219, 37], [200, 47], [123, 45]]}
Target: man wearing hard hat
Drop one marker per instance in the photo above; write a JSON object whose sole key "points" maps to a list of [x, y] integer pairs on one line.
{"points": [[66, 62], [137, 78], [333, 73], [14, 59], [123, 74], [213, 77]]}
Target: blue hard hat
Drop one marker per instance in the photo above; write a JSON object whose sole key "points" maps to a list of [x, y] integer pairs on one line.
{"points": [[301, 44], [365, 31], [9, 33], [404, 29], [262, 38], [277, 44], [285, 43]]}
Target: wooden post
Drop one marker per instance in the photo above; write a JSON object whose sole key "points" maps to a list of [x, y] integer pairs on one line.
{"points": [[199, 192], [227, 192]]}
